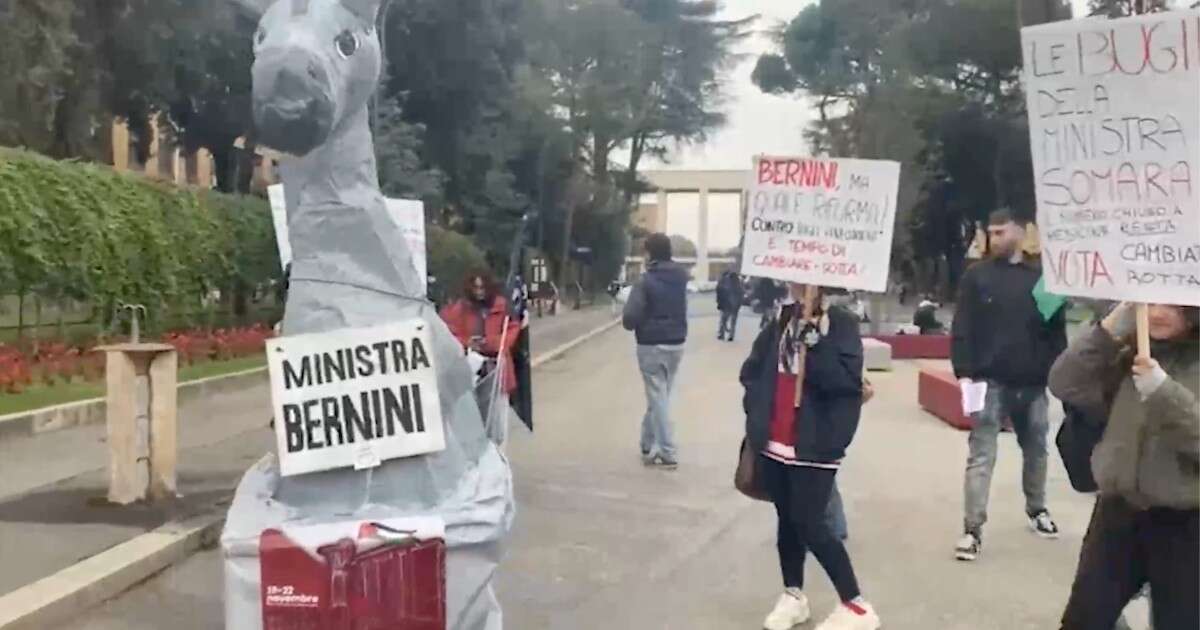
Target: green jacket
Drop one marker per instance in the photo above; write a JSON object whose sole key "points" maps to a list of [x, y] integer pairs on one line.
{"points": [[1150, 452]]}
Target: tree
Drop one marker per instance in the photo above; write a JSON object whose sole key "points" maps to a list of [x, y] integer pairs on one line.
{"points": [[37, 44], [68, 68], [454, 63], [1125, 8], [633, 75], [397, 152], [933, 84]]}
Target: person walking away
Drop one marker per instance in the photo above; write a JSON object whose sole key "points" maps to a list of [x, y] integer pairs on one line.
{"points": [[657, 314], [802, 448], [1001, 338], [729, 303], [477, 320], [1145, 527]]}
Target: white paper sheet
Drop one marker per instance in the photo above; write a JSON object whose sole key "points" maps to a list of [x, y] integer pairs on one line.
{"points": [[973, 396]]}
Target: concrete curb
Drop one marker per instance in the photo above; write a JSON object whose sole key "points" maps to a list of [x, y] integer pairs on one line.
{"points": [[92, 410], [546, 357], [68, 593], [64, 595]]}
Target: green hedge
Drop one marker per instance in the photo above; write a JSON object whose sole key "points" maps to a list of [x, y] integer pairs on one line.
{"points": [[79, 231], [451, 257]]}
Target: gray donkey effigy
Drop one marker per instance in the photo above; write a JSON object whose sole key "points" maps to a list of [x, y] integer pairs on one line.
{"points": [[317, 63]]}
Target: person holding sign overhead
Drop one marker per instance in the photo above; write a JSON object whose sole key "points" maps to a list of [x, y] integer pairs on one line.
{"points": [[803, 397], [1146, 524], [1003, 343]]}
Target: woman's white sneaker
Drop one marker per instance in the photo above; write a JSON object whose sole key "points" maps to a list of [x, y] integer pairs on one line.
{"points": [[790, 611], [855, 615]]}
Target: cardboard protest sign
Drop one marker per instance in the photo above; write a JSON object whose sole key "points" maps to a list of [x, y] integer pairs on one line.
{"points": [[1114, 122], [354, 397], [825, 222], [279, 217], [410, 216]]}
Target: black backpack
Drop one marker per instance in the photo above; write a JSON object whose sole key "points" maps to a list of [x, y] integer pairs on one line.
{"points": [[1076, 439]]}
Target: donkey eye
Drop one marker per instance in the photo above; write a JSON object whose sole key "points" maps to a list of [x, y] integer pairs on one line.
{"points": [[260, 36], [347, 43]]}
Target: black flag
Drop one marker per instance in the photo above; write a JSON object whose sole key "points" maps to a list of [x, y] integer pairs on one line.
{"points": [[518, 300]]}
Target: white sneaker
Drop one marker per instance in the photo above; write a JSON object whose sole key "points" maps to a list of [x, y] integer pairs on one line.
{"points": [[790, 611], [844, 618], [968, 547]]}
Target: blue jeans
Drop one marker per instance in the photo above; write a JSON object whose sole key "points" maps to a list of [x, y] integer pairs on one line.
{"points": [[659, 364], [1028, 408], [728, 324]]}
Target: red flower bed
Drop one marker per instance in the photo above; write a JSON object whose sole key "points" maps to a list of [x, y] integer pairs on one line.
{"points": [[198, 346], [55, 362]]}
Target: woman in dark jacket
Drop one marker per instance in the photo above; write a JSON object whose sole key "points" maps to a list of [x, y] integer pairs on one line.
{"points": [[802, 448]]}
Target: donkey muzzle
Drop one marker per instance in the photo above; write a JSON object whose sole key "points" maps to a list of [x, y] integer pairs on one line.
{"points": [[293, 102]]}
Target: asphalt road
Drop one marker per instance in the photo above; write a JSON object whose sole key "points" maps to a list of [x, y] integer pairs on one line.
{"points": [[602, 542]]}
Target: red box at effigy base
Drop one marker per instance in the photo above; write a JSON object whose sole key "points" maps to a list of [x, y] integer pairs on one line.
{"points": [[347, 587]]}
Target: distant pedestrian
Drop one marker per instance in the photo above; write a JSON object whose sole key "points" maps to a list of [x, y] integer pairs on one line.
{"points": [[729, 303], [1145, 528], [657, 314], [801, 449], [1002, 339]]}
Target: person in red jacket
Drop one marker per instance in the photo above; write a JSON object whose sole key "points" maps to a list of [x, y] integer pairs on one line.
{"points": [[480, 321]]}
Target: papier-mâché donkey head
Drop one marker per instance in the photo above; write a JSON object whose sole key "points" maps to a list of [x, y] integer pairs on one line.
{"points": [[317, 62]]}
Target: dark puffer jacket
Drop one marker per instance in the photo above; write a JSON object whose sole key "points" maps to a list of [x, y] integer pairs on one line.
{"points": [[829, 413], [657, 306]]}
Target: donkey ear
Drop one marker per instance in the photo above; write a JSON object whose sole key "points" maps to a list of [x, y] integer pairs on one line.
{"points": [[366, 10], [254, 8]]}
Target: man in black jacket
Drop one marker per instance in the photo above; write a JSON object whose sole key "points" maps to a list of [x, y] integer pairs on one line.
{"points": [[1002, 339], [657, 313]]}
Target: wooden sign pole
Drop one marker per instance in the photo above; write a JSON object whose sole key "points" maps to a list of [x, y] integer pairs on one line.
{"points": [[1143, 330], [810, 298]]}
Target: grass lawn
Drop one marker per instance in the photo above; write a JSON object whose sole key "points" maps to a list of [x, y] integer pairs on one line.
{"points": [[37, 395]]}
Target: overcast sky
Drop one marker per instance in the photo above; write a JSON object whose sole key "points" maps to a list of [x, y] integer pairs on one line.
{"points": [[758, 123]]}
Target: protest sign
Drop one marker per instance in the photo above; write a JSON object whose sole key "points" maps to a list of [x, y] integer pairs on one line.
{"points": [[354, 397], [410, 216], [1114, 123], [279, 217], [825, 222]]}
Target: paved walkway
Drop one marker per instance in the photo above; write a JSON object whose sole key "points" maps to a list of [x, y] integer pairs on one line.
{"points": [[603, 543], [52, 512]]}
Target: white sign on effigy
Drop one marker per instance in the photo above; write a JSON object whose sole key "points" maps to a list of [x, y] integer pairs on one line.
{"points": [[821, 221], [354, 397], [1114, 123], [279, 218], [410, 216]]}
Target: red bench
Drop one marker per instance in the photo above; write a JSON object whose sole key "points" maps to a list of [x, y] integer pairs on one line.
{"points": [[939, 394], [917, 346]]}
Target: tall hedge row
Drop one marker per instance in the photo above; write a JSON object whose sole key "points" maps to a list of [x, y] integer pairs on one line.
{"points": [[79, 231]]}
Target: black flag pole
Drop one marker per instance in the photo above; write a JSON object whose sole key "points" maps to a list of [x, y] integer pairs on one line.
{"points": [[518, 299]]}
